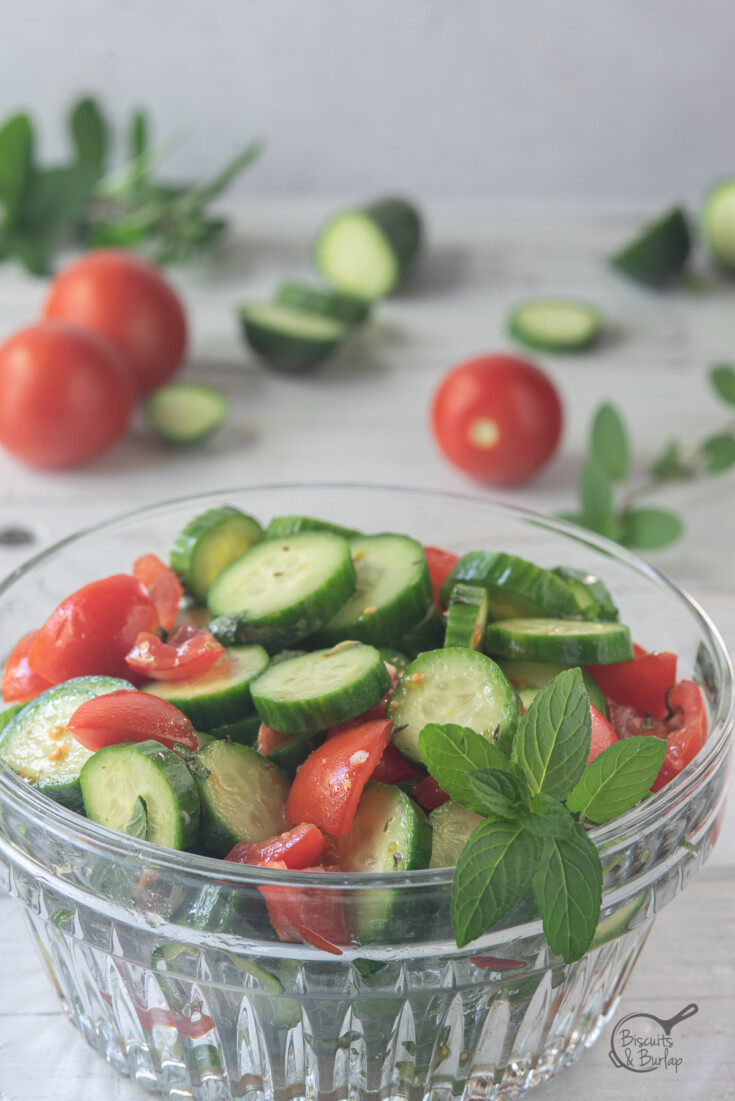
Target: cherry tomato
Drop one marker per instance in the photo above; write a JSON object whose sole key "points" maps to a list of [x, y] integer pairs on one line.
{"points": [[299, 848], [19, 682], [308, 914], [498, 418], [174, 660], [93, 630], [126, 300], [130, 716], [65, 395], [641, 683], [440, 563], [603, 735], [163, 585]]}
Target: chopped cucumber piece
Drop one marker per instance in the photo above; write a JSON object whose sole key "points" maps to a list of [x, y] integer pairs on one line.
{"points": [[451, 826], [210, 542], [429, 634], [530, 676], [718, 222], [592, 595], [566, 641], [555, 324], [221, 694], [467, 616], [185, 413], [281, 526], [313, 692], [9, 713], [658, 253], [328, 303], [291, 340], [515, 587], [396, 658], [366, 252], [243, 731], [292, 750], [243, 795]]}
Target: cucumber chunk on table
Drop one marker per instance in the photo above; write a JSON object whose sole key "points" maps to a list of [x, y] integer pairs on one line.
{"points": [[210, 542], [291, 340], [515, 586], [368, 250], [555, 324], [562, 640], [243, 795], [185, 413], [344, 308], [657, 254], [221, 694], [718, 222]]}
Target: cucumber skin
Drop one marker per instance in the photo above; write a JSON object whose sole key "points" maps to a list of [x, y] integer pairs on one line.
{"points": [[467, 616], [726, 260], [546, 592], [284, 352], [228, 706], [282, 526], [429, 634], [190, 542], [658, 253], [327, 303], [503, 638]]}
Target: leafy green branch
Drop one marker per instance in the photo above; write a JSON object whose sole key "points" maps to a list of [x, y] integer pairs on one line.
{"points": [[610, 504]]}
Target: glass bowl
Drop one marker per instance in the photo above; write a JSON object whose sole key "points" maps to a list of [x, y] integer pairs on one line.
{"points": [[166, 961]]}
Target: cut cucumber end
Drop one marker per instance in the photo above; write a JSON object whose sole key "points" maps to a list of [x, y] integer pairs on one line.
{"points": [[658, 253], [555, 324], [210, 542], [185, 413], [718, 222], [288, 339]]}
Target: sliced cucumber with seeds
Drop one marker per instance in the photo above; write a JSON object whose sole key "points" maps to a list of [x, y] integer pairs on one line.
{"points": [[210, 542], [117, 779], [219, 695], [718, 222], [185, 413], [467, 616], [658, 253], [291, 340], [284, 589], [453, 686], [555, 324], [282, 526], [8, 714], [313, 692], [36, 744], [530, 676], [366, 251], [393, 592], [515, 586], [427, 635], [592, 595], [451, 826], [243, 795], [327, 303], [562, 640]]}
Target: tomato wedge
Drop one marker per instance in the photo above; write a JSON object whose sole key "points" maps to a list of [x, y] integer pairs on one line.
{"points": [[163, 585], [174, 660], [429, 795], [328, 786], [130, 716], [392, 768], [440, 563], [311, 915], [19, 682], [641, 683], [299, 848], [603, 735]]}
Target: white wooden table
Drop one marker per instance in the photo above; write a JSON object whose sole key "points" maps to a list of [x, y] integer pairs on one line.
{"points": [[363, 417]]}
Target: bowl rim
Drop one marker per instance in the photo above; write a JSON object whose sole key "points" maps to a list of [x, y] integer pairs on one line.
{"points": [[231, 874]]}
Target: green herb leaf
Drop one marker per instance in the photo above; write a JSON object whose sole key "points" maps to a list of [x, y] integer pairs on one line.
{"points": [[500, 792], [722, 377], [596, 496], [137, 824], [719, 452], [670, 463], [618, 778], [553, 740], [451, 753], [198, 197], [609, 442], [33, 252], [568, 890], [16, 165], [89, 133], [549, 818], [649, 528], [493, 871], [57, 197], [139, 134]]}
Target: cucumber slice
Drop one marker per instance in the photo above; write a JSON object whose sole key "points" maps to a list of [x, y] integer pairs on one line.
{"points": [[366, 252], [210, 542], [515, 587], [396, 658], [427, 635], [451, 826], [592, 595], [393, 592], [243, 796], [185, 413], [389, 833], [243, 731], [452, 686], [221, 694], [313, 692], [555, 324], [293, 750], [281, 590], [37, 746], [327, 303], [571, 643], [291, 340], [117, 778], [718, 222], [529, 676], [8, 714], [282, 526], [658, 253], [467, 616]]}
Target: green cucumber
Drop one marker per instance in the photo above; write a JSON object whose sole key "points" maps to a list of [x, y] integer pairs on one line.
{"points": [[36, 744], [243, 731], [657, 254], [221, 694], [313, 692], [566, 641], [718, 222], [282, 526], [451, 826], [618, 923], [327, 303], [592, 595], [367, 251], [116, 780], [515, 586], [467, 616], [290, 753], [396, 658], [243, 795], [210, 542], [429, 634], [8, 714], [185, 413], [458, 686], [555, 324], [529, 676], [291, 340], [281, 590]]}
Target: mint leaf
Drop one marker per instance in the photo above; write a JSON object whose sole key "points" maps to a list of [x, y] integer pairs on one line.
{"points": [[722, 377], [618, 778], [89, 133], [719, 452], [553, 740], [57, 196], [549, 818], [595, 492], [451, 753], [568, 890], [139, 135], [500, 792], [492, 874], [16, 166], [670, 463], [137, 824], [609, 442], [649, 528]]}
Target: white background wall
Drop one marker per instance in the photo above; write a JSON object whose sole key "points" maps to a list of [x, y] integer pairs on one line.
{"points": [[460, 97]]}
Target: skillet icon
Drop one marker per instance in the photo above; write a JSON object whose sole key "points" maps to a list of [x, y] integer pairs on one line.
{"points": [[642, 1042]]}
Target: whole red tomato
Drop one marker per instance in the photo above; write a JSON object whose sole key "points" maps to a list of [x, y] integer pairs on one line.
{"points": [[498, 418], [65, 394], [127, 300]]}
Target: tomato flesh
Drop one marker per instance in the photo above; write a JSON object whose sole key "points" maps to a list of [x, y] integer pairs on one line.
{"points": [[603, 734], [393, 768], [429, 795], [172, 661], [641, 683], [440, 563], [299, 848], [130, 716], [311, 915], [19, 682], [163, 585]]}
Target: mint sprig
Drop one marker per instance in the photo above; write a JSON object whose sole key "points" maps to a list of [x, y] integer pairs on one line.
{"points": [[452, 753], [553, 739], [568, 888], [618, 778]]}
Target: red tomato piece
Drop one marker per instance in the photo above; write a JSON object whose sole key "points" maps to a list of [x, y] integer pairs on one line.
{"points": [[299, 848], [440, 563], [311, 915], [603, 735], [429, 795], [641, 683], [270, 739], [328, 786], [20, 683], [164, 661], [392, 768], [93, 629], [130, 716], [190, 1028], [164, 586], [371, 715]]}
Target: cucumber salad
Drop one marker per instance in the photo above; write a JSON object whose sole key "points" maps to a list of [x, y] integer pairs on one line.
{"points": [[305, 696]]}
